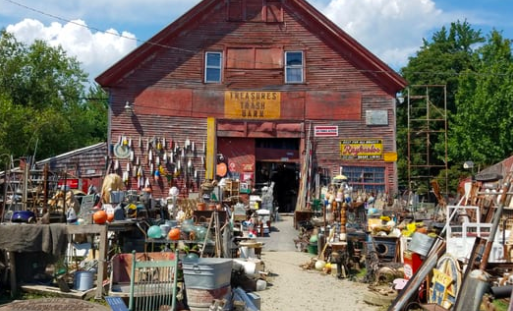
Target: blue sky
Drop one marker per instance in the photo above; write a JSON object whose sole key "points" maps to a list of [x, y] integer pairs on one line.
{"points": [[99, 33]]}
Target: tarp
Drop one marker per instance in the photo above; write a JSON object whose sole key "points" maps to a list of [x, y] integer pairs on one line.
{"points": [[51, 239]]}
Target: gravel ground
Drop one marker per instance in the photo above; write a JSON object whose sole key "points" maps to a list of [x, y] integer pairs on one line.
{"points": [[290, 287]]}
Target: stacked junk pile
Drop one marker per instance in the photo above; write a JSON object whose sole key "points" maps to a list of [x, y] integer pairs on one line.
{"points": [[463, 264], [134, 248], [449, 256]]}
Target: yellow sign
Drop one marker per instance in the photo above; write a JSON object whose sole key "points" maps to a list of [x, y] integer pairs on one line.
{"points": [[361, 149], [390, 156], [252, 105], [211, 145]]}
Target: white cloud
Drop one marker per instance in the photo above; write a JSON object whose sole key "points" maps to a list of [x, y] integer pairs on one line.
{"points": [[97, 51], [391, 29]]}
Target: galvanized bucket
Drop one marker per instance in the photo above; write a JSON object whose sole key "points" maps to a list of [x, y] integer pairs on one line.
{"points": [[421, 243]]}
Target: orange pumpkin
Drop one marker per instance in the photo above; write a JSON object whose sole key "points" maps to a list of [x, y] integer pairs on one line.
{"points": [[100, 217], [110, 217], [174, 234]]}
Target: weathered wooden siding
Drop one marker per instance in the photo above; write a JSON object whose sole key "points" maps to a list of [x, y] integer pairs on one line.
{"points": [[240, 155], [87, 163], [171, 100], [174, 131]]}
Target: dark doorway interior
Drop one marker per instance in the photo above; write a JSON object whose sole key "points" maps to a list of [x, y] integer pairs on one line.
{"points": [[277, 162]]}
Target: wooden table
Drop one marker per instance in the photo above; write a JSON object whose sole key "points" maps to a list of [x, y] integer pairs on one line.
{"points": [[70, 229]]}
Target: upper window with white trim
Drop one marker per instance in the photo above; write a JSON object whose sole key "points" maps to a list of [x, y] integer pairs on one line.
{"points": [[294, 67], [213, 66]]}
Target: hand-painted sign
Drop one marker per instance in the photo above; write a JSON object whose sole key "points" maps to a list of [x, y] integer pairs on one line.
{"points": [[361, 149], [252, 105], [326, 131]]}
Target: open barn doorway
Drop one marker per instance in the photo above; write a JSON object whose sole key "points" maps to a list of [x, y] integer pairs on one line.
{"points": [[277, 164]]}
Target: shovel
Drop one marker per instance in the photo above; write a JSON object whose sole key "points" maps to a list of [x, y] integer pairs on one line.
{"points": [[477, 283]]}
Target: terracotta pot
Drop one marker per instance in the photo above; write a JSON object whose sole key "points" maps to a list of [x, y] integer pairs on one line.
{"points": [[201, 206]]}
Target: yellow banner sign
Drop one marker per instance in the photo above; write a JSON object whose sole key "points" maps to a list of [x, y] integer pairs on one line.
{"points": [[211, 148], [361, 149], [252, 105], [390, 156]]}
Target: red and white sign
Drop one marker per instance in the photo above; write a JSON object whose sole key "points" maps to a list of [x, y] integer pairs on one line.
{"points": [[326, 131], [232, 166]]}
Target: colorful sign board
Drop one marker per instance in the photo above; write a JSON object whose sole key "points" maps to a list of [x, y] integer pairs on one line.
{"points": [[252, 105], [361, 149], [326, 131], [390, 156]]}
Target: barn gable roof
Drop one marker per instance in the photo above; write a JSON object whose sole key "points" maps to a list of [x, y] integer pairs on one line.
{"points": [[361, 57]]}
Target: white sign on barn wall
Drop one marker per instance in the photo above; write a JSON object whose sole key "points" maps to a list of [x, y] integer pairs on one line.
{"points": [[326, 131]]}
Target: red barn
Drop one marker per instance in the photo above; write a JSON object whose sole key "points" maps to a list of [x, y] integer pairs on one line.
{"points": [[260, 87]]}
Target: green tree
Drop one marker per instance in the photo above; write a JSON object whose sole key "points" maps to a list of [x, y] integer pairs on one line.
{"points": [[438, 62], [481, 128], [45, 108]]}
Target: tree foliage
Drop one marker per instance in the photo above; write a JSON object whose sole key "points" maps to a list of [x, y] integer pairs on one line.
{"points": [[45, 109], [481, 130], [476, 72]]}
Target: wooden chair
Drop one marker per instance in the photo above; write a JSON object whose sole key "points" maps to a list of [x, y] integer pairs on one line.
{"points": [[147, 280]]}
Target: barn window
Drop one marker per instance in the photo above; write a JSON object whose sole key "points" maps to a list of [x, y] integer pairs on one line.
{"points": [[294, 67], [213, 63], [370, 179]]}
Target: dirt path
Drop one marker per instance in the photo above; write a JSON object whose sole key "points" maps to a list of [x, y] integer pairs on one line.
{"points": [[292, 288]]}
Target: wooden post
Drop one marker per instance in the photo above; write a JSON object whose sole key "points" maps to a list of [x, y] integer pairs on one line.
{"points": [[12, 267], [102, 267]]}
